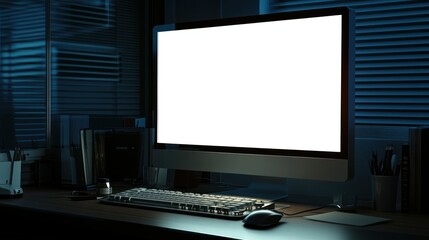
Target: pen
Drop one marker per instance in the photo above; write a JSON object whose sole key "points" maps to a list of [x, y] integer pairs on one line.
{"points": [[388, 166]]}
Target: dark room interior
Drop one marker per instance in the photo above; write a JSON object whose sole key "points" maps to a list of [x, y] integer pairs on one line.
{"points": [[315, 111]]}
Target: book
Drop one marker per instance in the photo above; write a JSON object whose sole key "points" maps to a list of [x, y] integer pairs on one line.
{"points": [[71, 153], [424, 168], [100, 152], [418, 167], [123, 155], [87, 147], [405, 178]]}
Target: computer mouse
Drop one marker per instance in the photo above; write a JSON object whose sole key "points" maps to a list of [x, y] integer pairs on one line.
{"points": [[262, 218]]}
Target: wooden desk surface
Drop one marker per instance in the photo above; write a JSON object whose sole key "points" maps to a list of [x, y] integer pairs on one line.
{"points": [[54, 209]]}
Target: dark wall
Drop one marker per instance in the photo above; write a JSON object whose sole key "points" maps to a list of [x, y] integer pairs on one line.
{"points": [[194, 10]]}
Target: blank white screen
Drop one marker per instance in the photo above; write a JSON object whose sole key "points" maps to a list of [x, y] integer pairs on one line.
{"points": [[273, 85]]}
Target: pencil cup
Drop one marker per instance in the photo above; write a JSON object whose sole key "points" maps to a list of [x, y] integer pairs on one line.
{"points": [[385, 190]]}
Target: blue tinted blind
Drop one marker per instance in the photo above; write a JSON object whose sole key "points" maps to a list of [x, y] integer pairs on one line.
{"points": [[392, 58], [85, 53], [95, 58], [22, 74]]}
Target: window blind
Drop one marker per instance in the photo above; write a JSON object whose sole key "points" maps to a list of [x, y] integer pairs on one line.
{"points": [[22, 74], [392, 58], [95, 58], [85, 53]]}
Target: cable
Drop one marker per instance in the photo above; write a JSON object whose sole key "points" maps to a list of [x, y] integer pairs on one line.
{"points": [[311, 209]]}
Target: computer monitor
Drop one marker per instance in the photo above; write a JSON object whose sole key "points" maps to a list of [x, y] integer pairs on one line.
{"points": [[268, 95]]}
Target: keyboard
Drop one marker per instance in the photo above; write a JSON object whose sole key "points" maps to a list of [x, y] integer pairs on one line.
{"points": [[209, 205]]}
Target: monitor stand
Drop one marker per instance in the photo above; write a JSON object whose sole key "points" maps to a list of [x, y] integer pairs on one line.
{"points": [[271, 189]]}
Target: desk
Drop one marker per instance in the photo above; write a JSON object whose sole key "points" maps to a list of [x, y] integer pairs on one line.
{"points": [[41, 211]]}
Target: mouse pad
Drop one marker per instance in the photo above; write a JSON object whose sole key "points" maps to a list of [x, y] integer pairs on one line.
{"points": [[347, 218]]}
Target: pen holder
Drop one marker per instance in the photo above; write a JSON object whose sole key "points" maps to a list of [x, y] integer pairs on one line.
{"points": [[385, 192]]}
